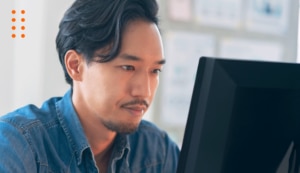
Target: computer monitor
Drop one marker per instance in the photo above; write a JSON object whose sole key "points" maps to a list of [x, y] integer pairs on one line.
{"points": [[243, 117]]}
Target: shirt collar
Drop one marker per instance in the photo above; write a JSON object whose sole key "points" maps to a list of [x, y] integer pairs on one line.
{"points": [[122, 144], [121, 151], [74, 131], [71, 125]]}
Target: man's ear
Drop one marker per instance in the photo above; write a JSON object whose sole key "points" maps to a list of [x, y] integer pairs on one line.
{"points": [[74, 64]]}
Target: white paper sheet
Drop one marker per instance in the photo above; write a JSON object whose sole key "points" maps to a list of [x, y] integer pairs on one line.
{"points": [[220, 13], [251, 49], [180, 10], [182, 53], [267, 16]]}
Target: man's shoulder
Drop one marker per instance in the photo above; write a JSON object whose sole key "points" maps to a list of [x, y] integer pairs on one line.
{"points": [[149, 127], [149, 131], [30, 114], [152, 149]]}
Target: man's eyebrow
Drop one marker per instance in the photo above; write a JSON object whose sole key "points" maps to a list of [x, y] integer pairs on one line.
{"points": [[130, 57], [135, 58], [162, 62]]}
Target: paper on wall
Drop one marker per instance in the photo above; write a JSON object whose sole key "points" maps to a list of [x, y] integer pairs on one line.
{"points": [[219, 13], [251, 49], [267, 16], [180, 10], [183, 50]]}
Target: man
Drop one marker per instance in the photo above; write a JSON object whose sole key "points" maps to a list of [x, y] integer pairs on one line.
{"points": [[111, 53]]}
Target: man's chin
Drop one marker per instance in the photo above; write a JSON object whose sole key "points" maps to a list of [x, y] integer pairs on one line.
{"points": [[122, 128]]}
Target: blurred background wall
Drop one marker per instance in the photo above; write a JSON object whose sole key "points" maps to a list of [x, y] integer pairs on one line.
{"points": [[250, 29]]}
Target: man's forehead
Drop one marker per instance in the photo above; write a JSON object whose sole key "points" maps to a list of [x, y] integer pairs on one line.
{"points": [[136, 58]]}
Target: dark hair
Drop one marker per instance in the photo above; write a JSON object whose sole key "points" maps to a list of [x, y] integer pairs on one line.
{"points": [[89, 25]]}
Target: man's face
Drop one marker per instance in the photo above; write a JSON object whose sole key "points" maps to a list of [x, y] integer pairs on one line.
{"points": [[118, 93]]}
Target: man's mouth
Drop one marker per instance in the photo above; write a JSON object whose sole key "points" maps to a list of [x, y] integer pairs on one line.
{"points": [[136, 107], [136, 110]]}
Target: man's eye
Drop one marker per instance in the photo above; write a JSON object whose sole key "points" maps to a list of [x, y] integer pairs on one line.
{"points": [[128, 67], [156, 71]]}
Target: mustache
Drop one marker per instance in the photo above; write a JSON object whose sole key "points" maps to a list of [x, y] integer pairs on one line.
{"points": [[136, 102]]}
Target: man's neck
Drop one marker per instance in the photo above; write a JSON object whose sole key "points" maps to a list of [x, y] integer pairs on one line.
{"points": [[99, 137], [103, 159], [101, 141]]}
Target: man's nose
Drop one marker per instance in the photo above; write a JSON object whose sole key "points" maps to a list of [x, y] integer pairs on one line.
{"points": [[141, 86]]}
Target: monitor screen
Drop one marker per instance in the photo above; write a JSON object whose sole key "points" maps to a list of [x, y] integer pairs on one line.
{"points": [[243, 118]]}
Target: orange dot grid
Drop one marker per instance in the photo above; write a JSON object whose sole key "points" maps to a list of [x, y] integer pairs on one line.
{"points": [[14, 20]]}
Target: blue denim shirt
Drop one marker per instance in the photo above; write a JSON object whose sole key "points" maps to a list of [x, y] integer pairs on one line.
{"points": [[51, 139]]}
